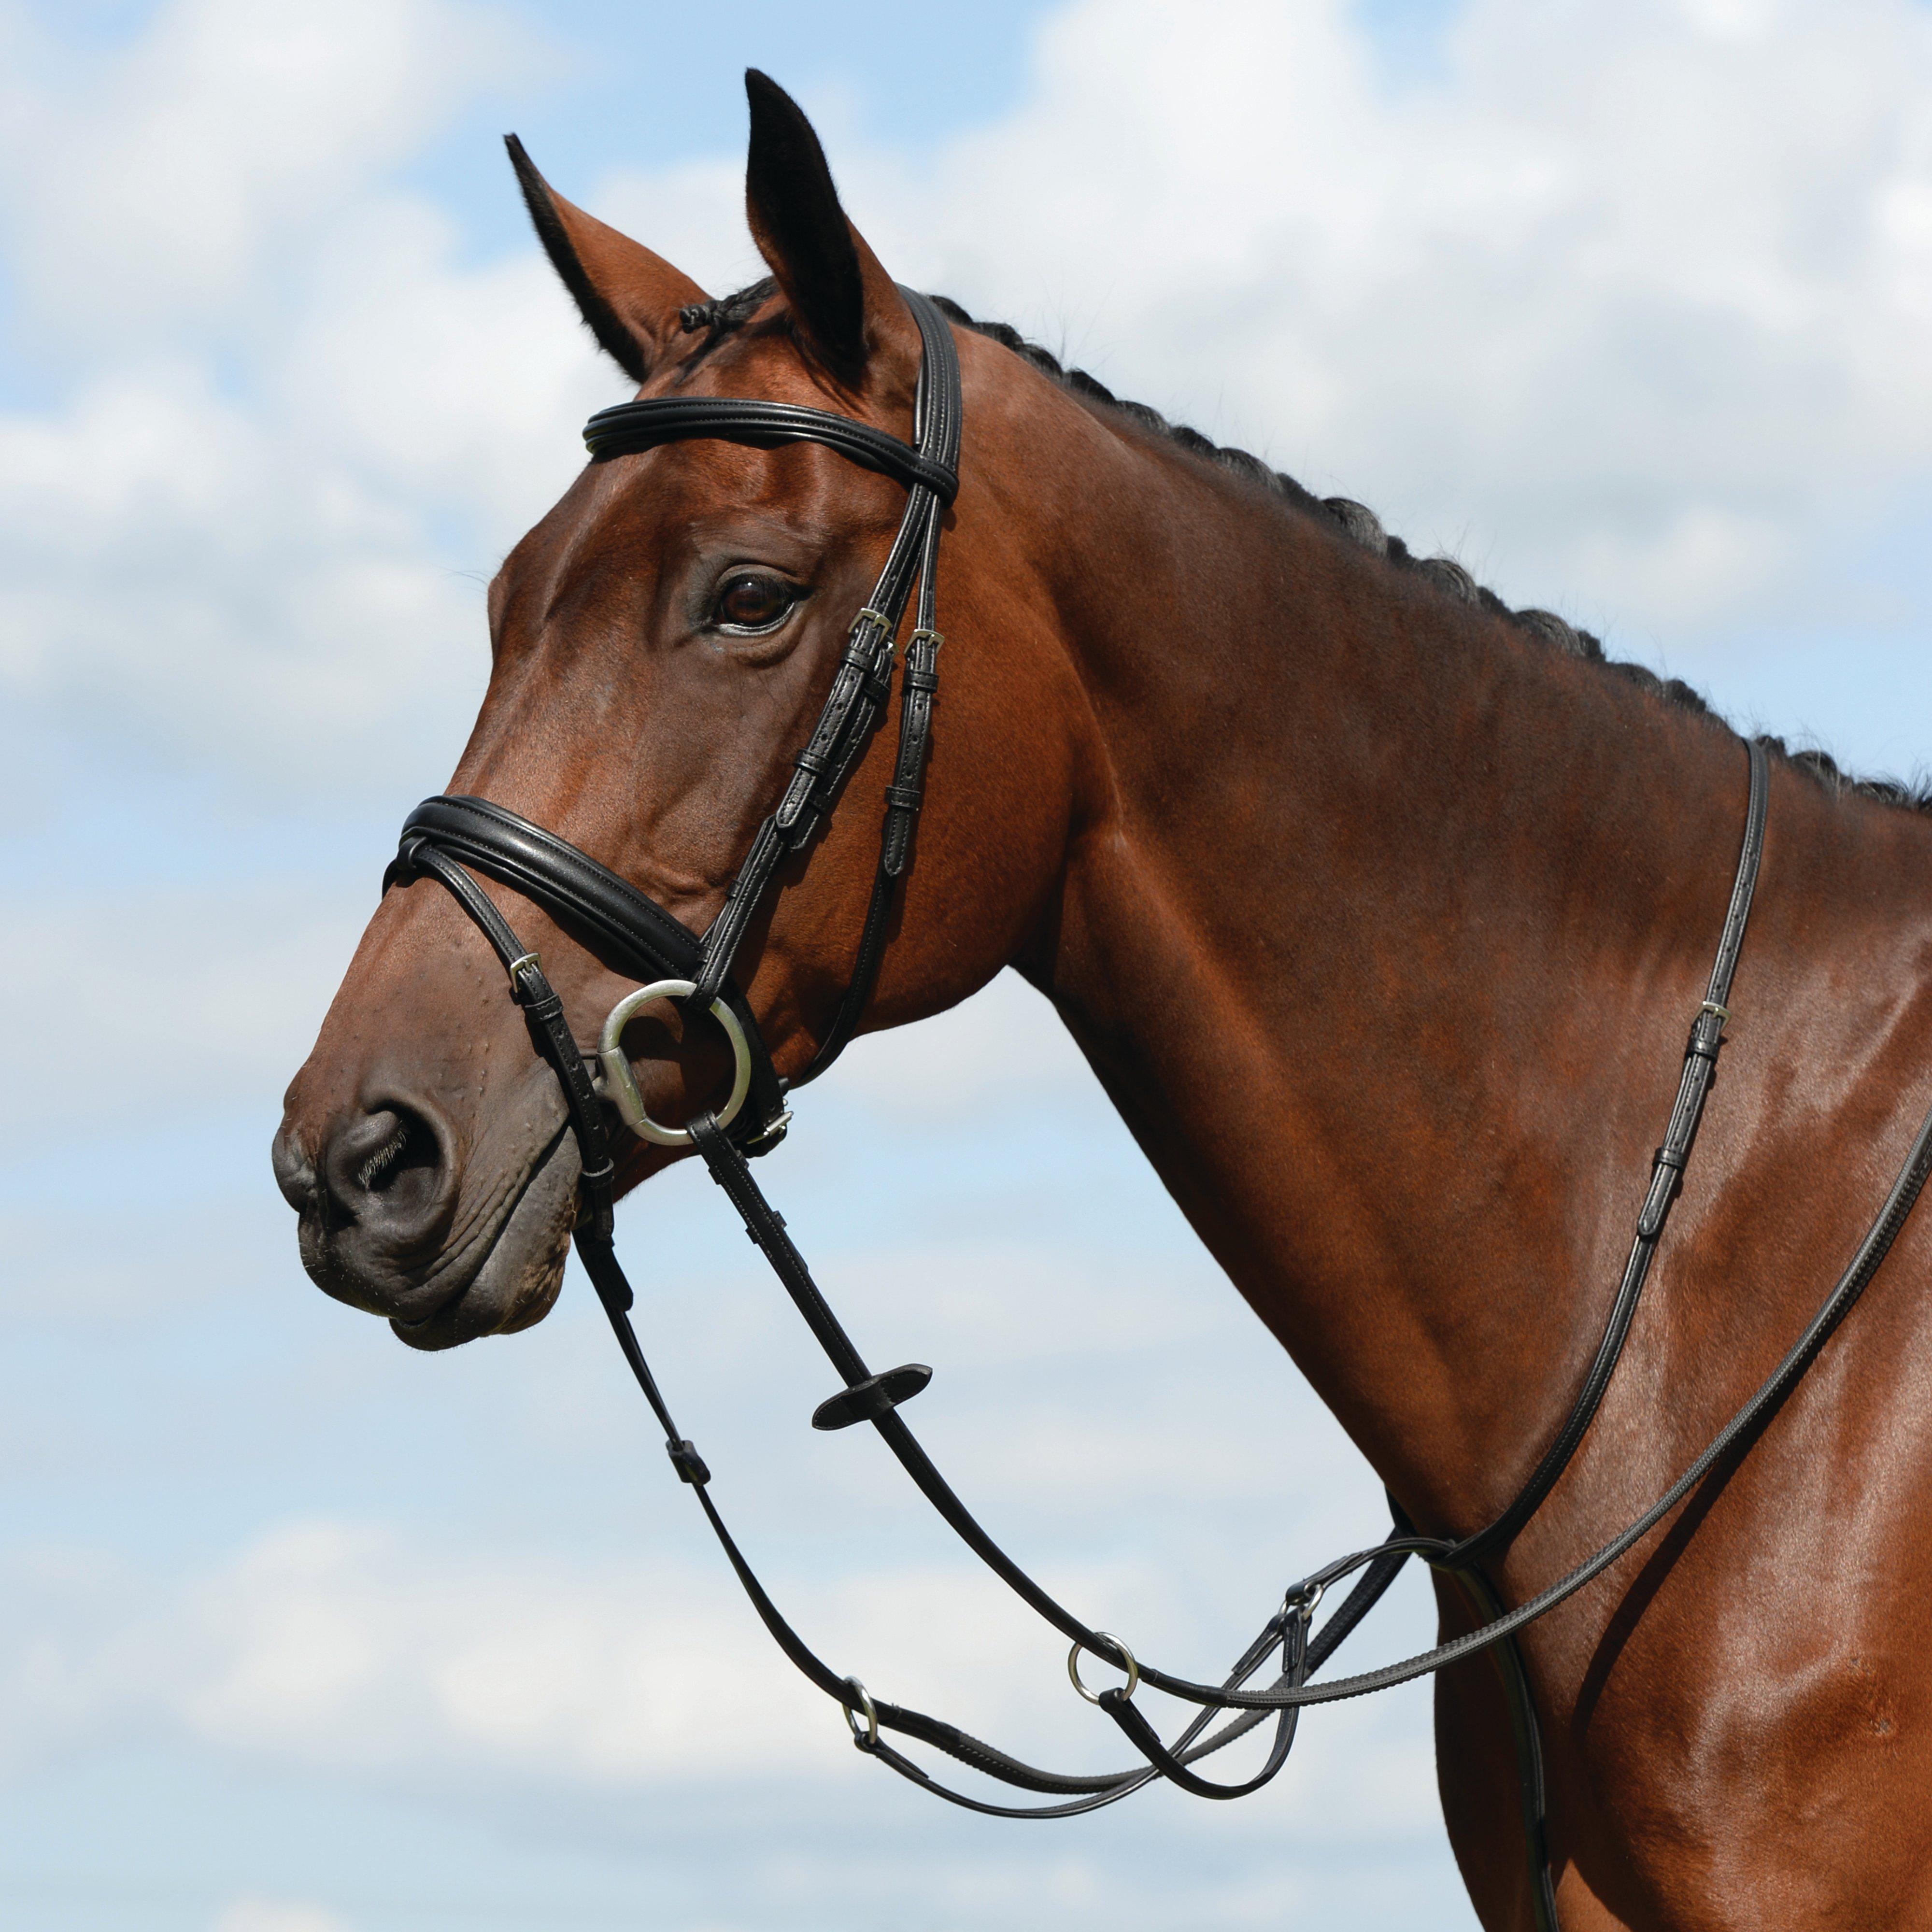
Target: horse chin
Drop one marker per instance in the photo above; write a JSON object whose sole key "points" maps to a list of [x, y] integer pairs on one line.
{"points": [[518, 1282]]}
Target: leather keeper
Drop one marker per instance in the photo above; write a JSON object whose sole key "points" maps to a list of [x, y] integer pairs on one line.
{"points": [[1664, 1183]]}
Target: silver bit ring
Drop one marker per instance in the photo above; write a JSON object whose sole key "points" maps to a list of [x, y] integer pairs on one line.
{"points": [[620, 1084]]}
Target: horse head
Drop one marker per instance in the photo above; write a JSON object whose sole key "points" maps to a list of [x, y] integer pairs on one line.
{"points": [[661, 642]]}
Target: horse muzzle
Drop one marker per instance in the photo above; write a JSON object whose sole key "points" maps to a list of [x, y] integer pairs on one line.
{"points": [[391, 1224]]}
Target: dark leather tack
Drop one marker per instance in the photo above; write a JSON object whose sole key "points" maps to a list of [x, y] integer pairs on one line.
{"points": [[877, 1395]]}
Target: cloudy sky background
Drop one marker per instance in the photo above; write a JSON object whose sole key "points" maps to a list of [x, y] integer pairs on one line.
{"points": [[1629, 309]]}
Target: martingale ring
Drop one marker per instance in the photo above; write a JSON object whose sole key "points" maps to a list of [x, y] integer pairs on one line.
{"points": [[864, 1736], [1130, 1666], [620, 1084]]}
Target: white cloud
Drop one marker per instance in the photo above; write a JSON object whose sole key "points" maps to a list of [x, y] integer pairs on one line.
{"points": [[336, 1647], [175, 572], [1005, 1046], [1631, 307], [161, 1006], [170, 180], [252, 1912], [247, 536]]}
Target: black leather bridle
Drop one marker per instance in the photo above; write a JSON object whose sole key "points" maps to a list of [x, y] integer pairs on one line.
{"points": [[449, 838]]}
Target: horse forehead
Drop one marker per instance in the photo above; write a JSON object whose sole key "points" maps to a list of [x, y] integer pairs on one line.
{"points": [[620, 510], [760, 361]]}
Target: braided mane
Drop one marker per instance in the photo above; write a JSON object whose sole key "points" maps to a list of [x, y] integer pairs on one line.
{"points": [[1361, 524]]}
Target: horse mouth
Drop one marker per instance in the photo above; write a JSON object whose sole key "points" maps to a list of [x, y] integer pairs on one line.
{"points": [[516, 1279]]}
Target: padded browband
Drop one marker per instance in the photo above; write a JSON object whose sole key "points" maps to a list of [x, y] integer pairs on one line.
{"points": [[625, 428], [631, 933]]}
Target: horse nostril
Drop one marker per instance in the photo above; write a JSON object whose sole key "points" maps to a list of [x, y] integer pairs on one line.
{"points": [[411, 1146], [389, 1171]]}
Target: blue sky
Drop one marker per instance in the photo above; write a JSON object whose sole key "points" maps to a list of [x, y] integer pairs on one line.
{"points": [[300, 1632]]}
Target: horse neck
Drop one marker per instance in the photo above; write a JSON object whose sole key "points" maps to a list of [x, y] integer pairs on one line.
{"points": [[1383, 924]]}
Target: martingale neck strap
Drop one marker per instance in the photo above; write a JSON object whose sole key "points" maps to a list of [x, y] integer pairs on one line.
{"points": [[1666, 1182]]}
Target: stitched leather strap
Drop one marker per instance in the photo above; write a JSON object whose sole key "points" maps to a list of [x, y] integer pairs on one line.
{"points": [[1700, 1062], [627, 428], [860, 690], [630, 930], [549, 1032]]}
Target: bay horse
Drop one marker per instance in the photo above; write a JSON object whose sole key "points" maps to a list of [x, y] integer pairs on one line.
{"points": [[1378, 909]]}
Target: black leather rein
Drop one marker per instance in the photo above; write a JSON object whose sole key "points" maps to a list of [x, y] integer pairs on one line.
{"points": [[449, 838]]}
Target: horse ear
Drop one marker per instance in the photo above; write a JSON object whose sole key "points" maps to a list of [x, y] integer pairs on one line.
{"points": [[629, 297], [841, 299]]}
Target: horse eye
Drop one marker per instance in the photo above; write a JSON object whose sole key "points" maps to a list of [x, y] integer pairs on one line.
{"points": [[754, 600]]}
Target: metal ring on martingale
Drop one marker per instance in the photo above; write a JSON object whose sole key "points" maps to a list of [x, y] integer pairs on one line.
{"points": [[866, 1736], [620, 1084], [1130, 1666]]}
